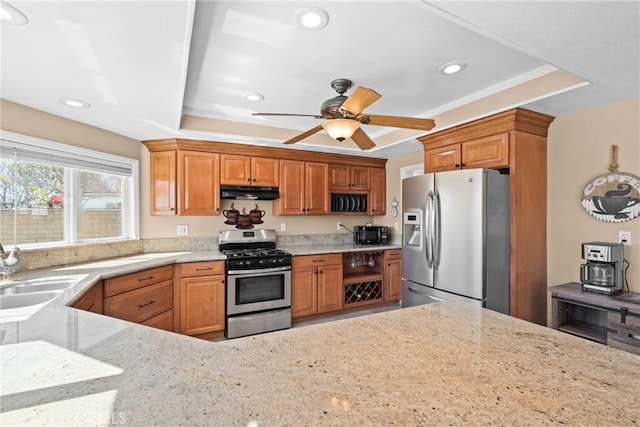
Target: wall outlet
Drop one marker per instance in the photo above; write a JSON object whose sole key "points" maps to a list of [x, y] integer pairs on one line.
{"points": [[283, 226], [624, 237], [339, 226], [395, 226], [183, 230]]}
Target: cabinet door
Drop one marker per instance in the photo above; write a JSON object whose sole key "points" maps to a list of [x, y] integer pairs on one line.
{"points": [[163, 182], [304, 291], [92, 300], [316, 188], [339, 178], [378, 192], [202, 304], [291, 200], [392, 279], [235, 169], [200, 183], [330, 288], [360, 178], [264, 172], [489, 152], [161, 321], [442, 158]]}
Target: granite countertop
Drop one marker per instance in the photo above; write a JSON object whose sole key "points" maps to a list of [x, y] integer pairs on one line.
{"points": [[445, 363]]}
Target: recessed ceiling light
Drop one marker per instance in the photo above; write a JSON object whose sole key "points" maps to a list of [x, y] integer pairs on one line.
{"points": [[255, 97], [312, 18], [77, 103], [11, 15], [453, 67]]}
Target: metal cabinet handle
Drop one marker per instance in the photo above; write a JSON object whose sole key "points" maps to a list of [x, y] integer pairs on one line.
{"points": [[623, 314], [145, 278], [203, 269], [144, 305]]}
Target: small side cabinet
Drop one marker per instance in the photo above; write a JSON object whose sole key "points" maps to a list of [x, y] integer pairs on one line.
{"points": [[609, 320]]}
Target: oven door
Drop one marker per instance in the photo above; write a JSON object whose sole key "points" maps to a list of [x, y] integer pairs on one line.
{"points": [[257, 290]]}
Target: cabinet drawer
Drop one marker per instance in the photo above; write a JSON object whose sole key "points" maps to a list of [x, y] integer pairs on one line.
{"points": [[128, 282], [624, 341], [161, 321], [631, 323], [205, 268], [141, 304], [92, 300], [393, 254], [315, 260]]}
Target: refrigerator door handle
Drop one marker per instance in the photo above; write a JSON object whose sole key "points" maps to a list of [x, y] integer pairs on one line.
{"points": [[437, 230], [428, 230]]}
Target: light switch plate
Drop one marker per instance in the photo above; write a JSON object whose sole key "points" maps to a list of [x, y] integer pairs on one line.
{"points": [[183, 230]]}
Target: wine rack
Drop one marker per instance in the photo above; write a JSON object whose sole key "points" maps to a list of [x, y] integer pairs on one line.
{"points": [[362, 292]]}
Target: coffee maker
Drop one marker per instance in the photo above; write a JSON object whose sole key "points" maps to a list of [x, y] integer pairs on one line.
{"points": [[603, 271]]}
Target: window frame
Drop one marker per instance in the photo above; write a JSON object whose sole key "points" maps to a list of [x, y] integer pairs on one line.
{"points": [[126, 167]]}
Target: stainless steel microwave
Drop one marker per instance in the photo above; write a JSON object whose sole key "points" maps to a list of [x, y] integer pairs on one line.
{"points": [[370, 235]]}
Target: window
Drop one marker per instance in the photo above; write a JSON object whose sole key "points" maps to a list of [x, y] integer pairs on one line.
{"points": [[56, 194]]}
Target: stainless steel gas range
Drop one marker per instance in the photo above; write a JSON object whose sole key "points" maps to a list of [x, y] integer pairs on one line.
{"points": [[258, 282]]}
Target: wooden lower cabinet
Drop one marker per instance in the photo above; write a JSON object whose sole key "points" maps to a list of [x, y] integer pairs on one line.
{"points": [[161, 321], [316, 284], [392, 275], [92, 300], [202, 297]]}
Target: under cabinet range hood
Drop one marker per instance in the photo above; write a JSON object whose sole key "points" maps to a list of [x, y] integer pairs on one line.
{"points": [[245, 192]]}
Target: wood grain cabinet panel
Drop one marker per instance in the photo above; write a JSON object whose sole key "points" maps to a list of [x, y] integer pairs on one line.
{"points": [[442, 158], [491, 152], [129, 282], [316, 284], [141, 304], [163, 182], [92, 300], [199, 183], [202, 297], [378, 192], [304, 188], [346, 177], [248, 170], [161, 321], [392, 275]]}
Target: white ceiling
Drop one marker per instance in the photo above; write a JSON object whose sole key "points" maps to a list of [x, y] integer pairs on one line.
{"points": [[162, 69]]}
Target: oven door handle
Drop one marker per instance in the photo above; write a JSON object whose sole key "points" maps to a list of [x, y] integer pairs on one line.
{"points": [[259, 271]]}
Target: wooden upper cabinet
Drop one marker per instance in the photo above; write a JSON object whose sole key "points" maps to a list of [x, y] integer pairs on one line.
{"points": [[163, 182], [304, 188], [199, 183], [490, 152], [378, 192], [247, 170], [345, 177], [291, 200], [316, 188]]}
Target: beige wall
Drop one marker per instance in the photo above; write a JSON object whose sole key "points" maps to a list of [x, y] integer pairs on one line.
{"points": [[579, 147]]}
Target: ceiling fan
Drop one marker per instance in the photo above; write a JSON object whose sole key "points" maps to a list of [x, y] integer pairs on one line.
{"points": [[343, 116]]}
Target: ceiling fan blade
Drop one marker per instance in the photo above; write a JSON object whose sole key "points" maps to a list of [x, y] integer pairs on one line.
{"points": [[397, 121], [360, 99], [287, 114], [303, 135], [362, 140]]}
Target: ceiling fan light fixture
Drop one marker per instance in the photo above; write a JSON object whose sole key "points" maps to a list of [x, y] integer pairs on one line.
{"points": [[341, 129], [452, 68], [312, 18]]}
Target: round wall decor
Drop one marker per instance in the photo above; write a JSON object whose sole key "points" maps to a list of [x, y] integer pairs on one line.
{"points": [[613, 197]]}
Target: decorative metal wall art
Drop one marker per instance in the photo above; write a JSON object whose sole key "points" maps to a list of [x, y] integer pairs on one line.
{"points": [[613, 197]]}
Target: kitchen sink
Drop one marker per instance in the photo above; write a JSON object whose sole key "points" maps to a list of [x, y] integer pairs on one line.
{"points": [[30, 288], [8, 302]]}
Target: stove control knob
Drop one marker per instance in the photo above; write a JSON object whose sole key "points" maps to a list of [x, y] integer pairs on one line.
{"points": [[239, 263], [274, 260], [248, 262], [261, 262]]}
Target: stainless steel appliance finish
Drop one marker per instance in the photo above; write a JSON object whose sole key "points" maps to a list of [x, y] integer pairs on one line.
{"points": [[603, 271], [370, 235], [456, 238], [258, 277]]}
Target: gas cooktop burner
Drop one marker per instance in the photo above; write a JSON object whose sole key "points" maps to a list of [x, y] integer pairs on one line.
{"points": [[253, 253]]}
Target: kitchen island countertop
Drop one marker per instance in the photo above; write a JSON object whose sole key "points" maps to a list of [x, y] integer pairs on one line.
{"points": [[446, 363]]}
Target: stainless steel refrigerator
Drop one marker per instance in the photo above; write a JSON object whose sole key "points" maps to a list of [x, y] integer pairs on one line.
{"points": [[456, 238]]}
